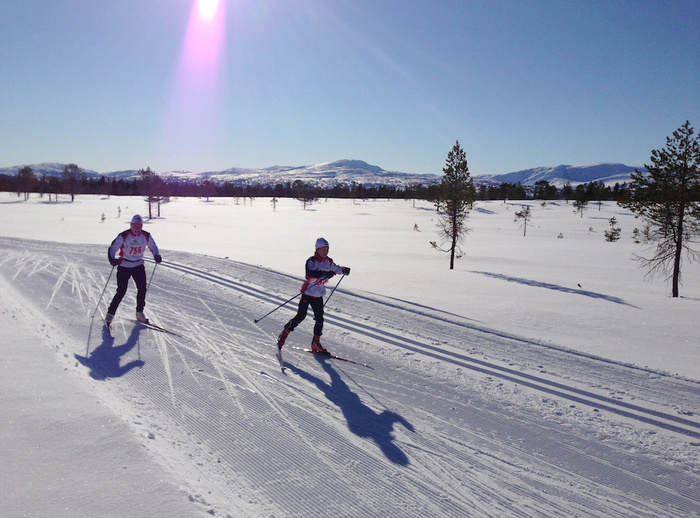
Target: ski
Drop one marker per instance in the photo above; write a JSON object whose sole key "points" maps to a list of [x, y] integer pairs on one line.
{"points": [[329, 355], [279, 358], [156, 327]]}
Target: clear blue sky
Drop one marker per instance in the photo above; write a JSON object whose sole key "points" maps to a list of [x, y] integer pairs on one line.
{"points": [[111, 85]]}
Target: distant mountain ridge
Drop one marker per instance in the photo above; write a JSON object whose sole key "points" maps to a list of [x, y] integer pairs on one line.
{"points": [[560, 175], [329, 174]]}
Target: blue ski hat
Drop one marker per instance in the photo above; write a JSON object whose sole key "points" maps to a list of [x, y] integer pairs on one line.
{"points": [[321, 243], [137, 219]]}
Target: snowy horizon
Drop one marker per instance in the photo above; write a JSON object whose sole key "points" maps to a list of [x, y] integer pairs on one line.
{"points": [[348, 171]]}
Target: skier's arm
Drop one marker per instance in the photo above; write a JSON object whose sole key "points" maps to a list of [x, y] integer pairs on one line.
{"points": [[340, 270], [114, 248], [151, 243]]}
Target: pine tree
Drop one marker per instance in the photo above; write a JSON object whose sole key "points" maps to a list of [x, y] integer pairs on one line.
{"points": [[668, 199], [70, 178], [455, 197], [525, 215], [613, 234], [25, 181]]}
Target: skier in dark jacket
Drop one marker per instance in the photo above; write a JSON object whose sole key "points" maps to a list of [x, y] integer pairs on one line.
{"points": [[319, 268], [126, 252]]}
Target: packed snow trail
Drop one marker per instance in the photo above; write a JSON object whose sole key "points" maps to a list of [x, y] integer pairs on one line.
{"points": [[454, 419]]}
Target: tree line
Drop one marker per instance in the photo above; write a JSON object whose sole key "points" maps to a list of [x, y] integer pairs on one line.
{"points": [[74, 181], [543, 190]]}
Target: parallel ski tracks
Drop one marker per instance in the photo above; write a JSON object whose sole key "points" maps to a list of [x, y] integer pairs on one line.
{"points": [[433, 453], [649, 416]]}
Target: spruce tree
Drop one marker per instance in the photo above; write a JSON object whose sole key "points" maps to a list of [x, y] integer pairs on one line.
{"points": [[667, 198], [455, 197]]}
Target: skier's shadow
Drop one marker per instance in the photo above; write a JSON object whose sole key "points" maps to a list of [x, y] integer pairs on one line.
{"points": [[362, 420], [105, 361]]}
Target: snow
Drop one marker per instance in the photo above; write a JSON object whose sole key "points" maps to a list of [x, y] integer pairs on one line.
{"points": [[607, 173], [544, 376]]}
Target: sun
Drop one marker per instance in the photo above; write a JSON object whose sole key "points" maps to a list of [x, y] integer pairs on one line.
{"points": [[207, 9]]}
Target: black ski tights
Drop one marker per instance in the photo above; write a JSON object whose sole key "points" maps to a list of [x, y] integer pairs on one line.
{"points": [[123, 276], [316, 304]]}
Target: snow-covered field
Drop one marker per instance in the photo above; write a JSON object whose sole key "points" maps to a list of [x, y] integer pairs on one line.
{"points": [[544, 376]]}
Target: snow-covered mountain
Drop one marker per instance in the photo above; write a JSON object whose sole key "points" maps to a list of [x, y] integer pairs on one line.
{"points": [[329, 174], [561, 175], [46, 169]]}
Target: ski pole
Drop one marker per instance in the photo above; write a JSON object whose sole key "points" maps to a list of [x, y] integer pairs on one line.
{"points": [[149, 280], [103, 292], [333, 290], [272, 311], [285, 302]]}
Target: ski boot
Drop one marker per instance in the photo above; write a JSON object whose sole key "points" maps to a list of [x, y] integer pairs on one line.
{"points": [[317, 347], [282, 337]]}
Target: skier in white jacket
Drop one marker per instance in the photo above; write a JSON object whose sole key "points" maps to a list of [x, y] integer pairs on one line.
{"points": [[319, 268], [126, 252]]}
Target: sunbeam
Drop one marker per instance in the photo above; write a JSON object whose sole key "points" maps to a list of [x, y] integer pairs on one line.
{"points": [[192, 109]]}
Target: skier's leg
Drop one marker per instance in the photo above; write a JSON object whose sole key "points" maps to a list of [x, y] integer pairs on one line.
{"points": [[301, 314], [317, 306], [139, 275], [122, 285]]}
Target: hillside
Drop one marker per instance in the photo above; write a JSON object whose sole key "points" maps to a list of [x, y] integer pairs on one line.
{"points": [[329, 174], [560, 175], [326, 174]]}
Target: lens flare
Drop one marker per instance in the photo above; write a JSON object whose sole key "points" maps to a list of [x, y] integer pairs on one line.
{"points": [[207, 9], [193, 110]]}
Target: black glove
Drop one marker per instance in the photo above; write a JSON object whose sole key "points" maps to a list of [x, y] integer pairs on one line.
{"points": [[346, 270], [329, 274], [157, 258], [114, 261]]}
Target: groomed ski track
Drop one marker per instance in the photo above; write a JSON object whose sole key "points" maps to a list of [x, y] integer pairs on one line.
{"points": [[454, 419]]}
